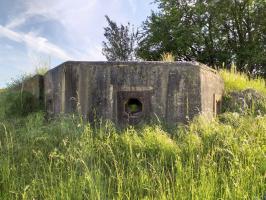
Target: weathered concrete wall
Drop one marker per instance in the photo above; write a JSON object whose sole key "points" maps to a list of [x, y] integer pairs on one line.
{"points": [[171, 91], [212, 87]]}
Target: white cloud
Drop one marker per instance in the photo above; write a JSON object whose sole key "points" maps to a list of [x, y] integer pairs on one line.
{"points": [[37, 43], [17, 21], [82, 24], [81, 20], [79, 34]]}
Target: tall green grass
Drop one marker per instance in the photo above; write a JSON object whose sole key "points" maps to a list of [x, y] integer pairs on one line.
{"points": [[14, 104], [67, 158], [237, 81]]}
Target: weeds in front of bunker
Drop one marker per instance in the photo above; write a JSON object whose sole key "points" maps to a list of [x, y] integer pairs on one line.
{"points": [[67, 158]]}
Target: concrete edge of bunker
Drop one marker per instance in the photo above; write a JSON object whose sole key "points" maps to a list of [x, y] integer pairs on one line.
{"points": [[172, 91]]}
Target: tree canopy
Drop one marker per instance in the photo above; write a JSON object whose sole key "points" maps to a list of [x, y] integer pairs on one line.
{"points": [[120, 41], [213, 32]]}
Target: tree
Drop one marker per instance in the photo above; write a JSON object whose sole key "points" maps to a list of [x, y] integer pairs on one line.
{"points": [[121, 42], [213, 32]]}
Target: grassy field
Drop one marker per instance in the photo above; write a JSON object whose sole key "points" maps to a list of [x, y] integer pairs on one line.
{"points": [[66, 158]]}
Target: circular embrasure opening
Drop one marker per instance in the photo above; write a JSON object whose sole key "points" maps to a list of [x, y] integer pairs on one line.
{"points": [[133, 106]]}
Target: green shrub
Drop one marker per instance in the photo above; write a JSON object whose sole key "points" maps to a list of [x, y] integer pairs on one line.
{"points": [[18, 104], [17, 82]]}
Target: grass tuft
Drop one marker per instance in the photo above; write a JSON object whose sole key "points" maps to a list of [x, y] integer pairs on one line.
{"points": [[168, 57], [237, 81]]}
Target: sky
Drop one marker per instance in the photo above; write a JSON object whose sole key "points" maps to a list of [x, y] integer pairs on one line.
{"points": [[48, 32]]}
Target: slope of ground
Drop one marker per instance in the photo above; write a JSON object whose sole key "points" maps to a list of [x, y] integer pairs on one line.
{"points": [[236, 81], [67, 158]]}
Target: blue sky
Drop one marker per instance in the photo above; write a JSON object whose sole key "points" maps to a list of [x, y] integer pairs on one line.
{"points": [[33, 32]]}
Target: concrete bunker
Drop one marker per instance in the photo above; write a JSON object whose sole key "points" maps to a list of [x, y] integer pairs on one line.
{"points": [[133, 92], [133, 106]]}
